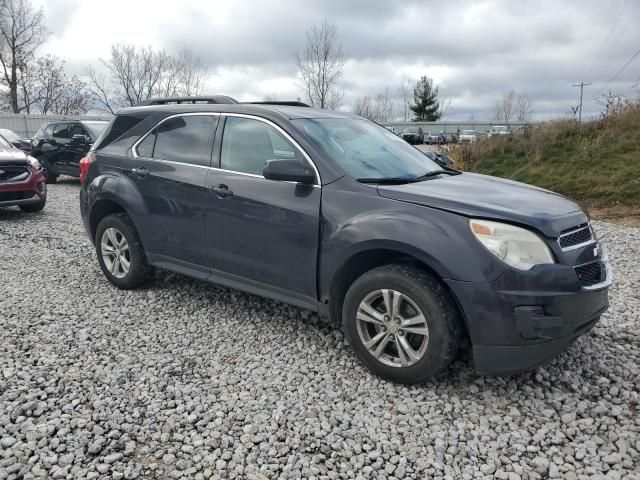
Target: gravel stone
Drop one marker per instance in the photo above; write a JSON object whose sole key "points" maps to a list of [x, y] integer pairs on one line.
{"points": [[185, 379]]}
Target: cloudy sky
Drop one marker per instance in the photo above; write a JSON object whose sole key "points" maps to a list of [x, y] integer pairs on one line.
{"points": [[474, 50]]}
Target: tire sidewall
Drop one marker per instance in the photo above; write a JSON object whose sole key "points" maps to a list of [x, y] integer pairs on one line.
{"points": [[138, 266], [435, 309]]}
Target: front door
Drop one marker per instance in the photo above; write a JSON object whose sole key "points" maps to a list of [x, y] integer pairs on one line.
{"points": [[76, 148], [258, 230], [169, 167]]}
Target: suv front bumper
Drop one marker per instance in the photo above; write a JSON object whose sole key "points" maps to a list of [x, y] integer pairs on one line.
{"points": [[516, 324], [31, 190]]}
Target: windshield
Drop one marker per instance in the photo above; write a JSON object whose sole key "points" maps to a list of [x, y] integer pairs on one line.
{"points": [[411, 130], [499, 129], [4, 143], [468, 132], [95, 128], [9, 134], [364, 149]]}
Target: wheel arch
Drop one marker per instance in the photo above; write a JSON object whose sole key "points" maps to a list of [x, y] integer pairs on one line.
{"points": [[369, 258], [100, 209]]}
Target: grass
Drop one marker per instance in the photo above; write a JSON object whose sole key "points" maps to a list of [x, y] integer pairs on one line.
{"points": [[595, 163]]}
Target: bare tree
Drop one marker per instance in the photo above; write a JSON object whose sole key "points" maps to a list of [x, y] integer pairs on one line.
{"points": [[22, 31], [132, 75], [321, 66], [378, 109], [191, 73], [406, 93], [523, 108], [270, 97], [504, 108], [363, 107]]}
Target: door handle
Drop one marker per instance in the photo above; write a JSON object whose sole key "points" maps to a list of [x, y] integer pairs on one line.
{"points": [[222, 190], [140, 172]]}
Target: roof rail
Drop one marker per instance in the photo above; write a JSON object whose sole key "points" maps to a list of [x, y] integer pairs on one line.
{"points": [[289, 103], [180, 100]]}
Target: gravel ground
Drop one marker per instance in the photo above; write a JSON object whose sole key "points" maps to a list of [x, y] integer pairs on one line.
{"points": [[189, 380]]}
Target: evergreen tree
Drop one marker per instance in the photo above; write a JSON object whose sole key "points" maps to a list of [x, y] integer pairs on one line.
{"points": [[426, 107]]}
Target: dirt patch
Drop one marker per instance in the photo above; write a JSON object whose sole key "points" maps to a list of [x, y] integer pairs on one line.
{"points": [[620, 215]]}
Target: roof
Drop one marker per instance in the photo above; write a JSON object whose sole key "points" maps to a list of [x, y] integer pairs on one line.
{"points": [[283, 111]]}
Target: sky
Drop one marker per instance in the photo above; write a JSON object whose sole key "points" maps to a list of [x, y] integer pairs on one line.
{"points": [[474, 50]]}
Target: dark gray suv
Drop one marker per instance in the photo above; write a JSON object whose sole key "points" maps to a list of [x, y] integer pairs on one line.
{"points": [[333, 213]]}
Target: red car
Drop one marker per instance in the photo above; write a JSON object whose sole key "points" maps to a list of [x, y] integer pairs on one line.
{"points": [[22, 182]]}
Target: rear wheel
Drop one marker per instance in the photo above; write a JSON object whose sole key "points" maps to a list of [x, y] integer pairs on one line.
{"points": [[402, 323], [34, 207], [120, 252]]}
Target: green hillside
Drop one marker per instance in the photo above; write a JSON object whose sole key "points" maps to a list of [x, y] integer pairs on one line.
{"points": [[595, 163]]}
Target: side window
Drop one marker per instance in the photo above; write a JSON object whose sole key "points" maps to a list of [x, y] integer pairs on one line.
{"points": [[60, 131], [145, 148], [185, 139], [76, 129], [247, 144]]}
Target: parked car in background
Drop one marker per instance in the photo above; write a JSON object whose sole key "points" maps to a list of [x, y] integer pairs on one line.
{"points": [[498, 130], [60, 145], [14, 139], [440, 158], [22, 182], [333, 213], [436, 138], [467, 136], [413, 135]]}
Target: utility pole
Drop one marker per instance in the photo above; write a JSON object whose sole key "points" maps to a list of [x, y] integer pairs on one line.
{"points": [[581, 85]]}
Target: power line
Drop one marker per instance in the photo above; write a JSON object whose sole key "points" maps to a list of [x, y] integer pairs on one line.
{"points": [[599, 36], [633, 57]]}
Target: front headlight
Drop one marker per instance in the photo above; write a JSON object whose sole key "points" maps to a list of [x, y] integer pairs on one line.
{"points": [[518, 247], [33, 162]]}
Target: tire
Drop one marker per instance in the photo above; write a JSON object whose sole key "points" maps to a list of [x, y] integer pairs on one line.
{"points": [[34, 207], [46, 170], [432, 353], [112, 229]]}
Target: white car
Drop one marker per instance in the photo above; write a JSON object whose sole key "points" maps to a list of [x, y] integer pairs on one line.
{"points": [[467, 136], [498, 130]]}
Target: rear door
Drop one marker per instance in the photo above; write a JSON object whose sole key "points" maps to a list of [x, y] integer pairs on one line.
{"points": [[168, 167], [262, 232]]}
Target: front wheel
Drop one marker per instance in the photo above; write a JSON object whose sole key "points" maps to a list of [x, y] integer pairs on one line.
{"points": [[120, 252], [402, 323], [49, 176], [34, 207]]}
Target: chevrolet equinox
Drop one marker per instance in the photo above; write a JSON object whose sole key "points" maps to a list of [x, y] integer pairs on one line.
{"points": [[333, 213]]}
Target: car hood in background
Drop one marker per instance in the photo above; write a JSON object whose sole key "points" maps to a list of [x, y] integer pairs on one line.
{"points": [[483, 196], [12, 156]]}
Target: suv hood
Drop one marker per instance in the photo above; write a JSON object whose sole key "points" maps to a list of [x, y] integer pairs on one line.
{"points": [[12, 156], [483, 196]]}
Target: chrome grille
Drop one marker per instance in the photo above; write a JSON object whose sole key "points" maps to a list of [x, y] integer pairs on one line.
{"points": [[10, 173], [576, 238]]}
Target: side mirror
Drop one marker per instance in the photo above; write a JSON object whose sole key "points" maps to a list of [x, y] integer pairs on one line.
{"points": [[80, 138], [289, 170]]}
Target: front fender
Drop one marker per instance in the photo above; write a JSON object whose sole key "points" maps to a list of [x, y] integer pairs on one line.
{"points": [[356, 223]]}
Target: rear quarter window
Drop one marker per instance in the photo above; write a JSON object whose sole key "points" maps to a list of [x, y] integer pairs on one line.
{"points": [[118, 127]]}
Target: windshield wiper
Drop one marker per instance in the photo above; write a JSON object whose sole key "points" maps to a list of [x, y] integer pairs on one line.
{"points": [[388, 180], [436, 172]]}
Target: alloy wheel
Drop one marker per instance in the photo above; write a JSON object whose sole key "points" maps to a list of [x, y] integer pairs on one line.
{"points": [[392, 328], [114, 249]]}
